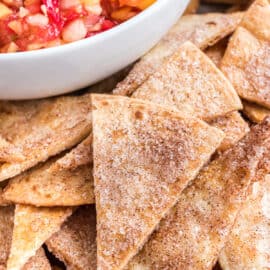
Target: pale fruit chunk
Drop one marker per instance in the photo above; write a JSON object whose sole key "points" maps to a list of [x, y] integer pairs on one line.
{"points": [[74, 31], [4, 10]]}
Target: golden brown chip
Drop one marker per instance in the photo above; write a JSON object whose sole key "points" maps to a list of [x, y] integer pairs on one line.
{"points": [[248, 246], [254, 112], [144, 155], [32, 227], [40, 129], [192, 7], [203, 30], [6, 227], [67, 181], [234, 127], [75, 243], [216, 52], [247, 59], [190, 82], [195, 231], [39, 261]]}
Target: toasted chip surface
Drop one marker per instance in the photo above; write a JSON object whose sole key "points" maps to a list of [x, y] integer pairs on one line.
{"points": [[195, 231], [144, 155], [254, 112], [67, 181], [190, 82], [247, 59], [233, 126], [75, 243], [32, 227], [6, 227], [39, 261], [40, 129], [248, 246], [202, 30], [216, 52]]}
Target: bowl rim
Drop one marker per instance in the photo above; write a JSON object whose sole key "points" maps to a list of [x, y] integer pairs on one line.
{"points": [[102, 37]]}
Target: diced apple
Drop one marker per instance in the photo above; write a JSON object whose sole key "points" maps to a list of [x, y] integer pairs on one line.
{"points": [[92, 6], [74, 31], [16, 26], [38, 20], [12, 47], [65, 4], [4, 10], [23, 12]]}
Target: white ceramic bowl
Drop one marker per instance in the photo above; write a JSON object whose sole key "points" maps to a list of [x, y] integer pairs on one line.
{"points": [[69, 67]]}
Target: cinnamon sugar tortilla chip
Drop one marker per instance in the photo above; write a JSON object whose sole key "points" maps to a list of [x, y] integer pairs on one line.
{"points": [[203, 30], [32, 227], [144, 155], [216, 52], [39, 261], [67, 181], [43, 128], [190, 82], [254, 112], [248, 246], [233, 126], [192, 235], [75, 243], [247, 59]]}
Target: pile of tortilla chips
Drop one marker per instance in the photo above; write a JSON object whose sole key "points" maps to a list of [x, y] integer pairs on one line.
{"points": [[170, 169]]}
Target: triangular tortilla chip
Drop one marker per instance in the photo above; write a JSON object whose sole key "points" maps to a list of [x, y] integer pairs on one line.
{"points": [[247, 59], [203, 30], [144, 155], [39, 261], [233, 126], [67, 181], [42, 128], [216, 52], [32, 227], [75, 243], [248, 246], [195, 231], [254, 112], [190, 82]]}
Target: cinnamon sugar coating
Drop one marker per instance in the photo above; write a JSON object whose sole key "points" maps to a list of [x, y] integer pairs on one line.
{"points": [[41, 129], [66, 181], [190, 82], [202, 30], [194, 232], [247, 59], [75, 243], [144, 156]]}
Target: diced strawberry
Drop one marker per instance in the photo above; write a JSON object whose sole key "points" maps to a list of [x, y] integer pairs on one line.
{"points": [[107, 24]]}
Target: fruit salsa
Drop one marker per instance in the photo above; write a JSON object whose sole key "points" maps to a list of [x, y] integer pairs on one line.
{"points": [[27, 25]]}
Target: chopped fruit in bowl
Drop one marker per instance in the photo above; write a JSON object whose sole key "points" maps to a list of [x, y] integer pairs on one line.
{"points": [[35, 24]]}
